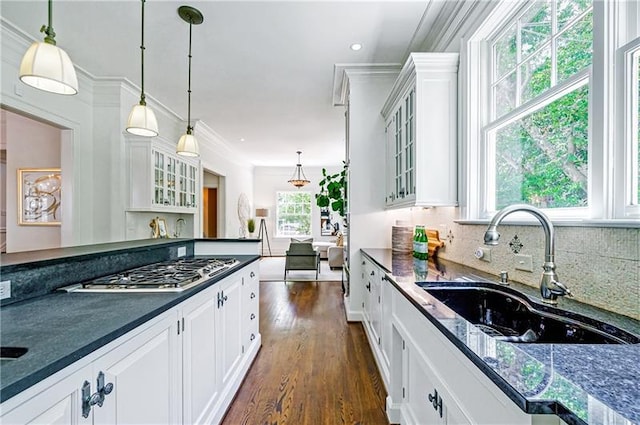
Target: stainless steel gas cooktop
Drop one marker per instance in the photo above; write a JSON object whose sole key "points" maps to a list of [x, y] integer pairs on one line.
{"points": [[167, 276]]}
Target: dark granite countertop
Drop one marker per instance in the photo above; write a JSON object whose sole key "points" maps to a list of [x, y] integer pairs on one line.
{"points": [[61, 328], [581, 383]]}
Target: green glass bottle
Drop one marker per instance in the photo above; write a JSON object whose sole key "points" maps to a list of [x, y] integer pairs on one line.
{"points": [[420, 243], [424, 245]]}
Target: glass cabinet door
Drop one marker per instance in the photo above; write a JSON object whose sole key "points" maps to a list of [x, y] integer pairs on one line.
{"points": [[183, 184], [399, 151], [158, 178], [171, 182], [409, 147], [192, 186]]}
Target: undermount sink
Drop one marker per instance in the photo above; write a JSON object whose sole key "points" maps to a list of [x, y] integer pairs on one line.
{"points": [[8, 354], [506, 315]]}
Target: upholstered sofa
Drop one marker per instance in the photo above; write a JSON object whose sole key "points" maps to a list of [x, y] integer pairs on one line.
{"points": [[323, 247], [335, 256]]}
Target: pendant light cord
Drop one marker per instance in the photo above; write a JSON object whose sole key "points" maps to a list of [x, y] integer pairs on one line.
{"points": [[48, 29], [189, 128], [142, 97]]}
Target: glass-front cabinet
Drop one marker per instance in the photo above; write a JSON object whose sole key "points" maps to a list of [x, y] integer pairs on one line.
{"points": [[421, 132], [161, 180]]}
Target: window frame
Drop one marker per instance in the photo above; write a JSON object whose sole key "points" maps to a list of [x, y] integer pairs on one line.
{"points": [[280, 234], [614, 23], [626, 188]]}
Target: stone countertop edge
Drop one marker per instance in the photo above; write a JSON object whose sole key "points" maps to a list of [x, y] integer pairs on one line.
{"points": [[46, 357], [82, 252], [383, 258]]}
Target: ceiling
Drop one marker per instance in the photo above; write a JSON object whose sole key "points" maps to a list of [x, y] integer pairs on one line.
{"points": [[262, 72]]}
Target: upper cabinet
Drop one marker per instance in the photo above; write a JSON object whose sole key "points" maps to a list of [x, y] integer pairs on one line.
{"points": [[421, 133], [161, 180]]}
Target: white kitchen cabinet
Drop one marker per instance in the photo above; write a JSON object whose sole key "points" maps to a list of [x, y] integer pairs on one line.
{"points": [[426, 400], [421, 133], [229, 325], [145, 379], [200, 377], [142, 369], [57, 404], [377, 316], [160, 180], [182, 367], [250, 305], [371, 305], [211, 348], [468, 395]]}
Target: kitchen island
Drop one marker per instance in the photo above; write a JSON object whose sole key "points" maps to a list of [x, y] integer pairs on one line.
{"points": [[190, 348], [480, 379]]}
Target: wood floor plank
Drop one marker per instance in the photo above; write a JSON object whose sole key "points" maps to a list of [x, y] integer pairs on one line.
{"points": [[313, 368]]}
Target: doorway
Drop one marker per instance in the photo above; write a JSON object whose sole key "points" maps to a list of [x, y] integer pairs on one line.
{"points": [[210, 212]]}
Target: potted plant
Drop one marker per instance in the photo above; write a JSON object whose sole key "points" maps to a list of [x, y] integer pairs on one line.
{"points": [[251, 226], [333, 190]]}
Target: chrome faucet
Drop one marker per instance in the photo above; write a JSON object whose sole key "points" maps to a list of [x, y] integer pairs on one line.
{"points": [[550, 288]]}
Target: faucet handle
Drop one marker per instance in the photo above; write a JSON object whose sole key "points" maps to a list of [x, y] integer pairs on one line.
{"points": [[564, 288]]}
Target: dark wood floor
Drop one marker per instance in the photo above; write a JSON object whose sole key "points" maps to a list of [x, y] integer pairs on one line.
{"points": [[314, 367]]}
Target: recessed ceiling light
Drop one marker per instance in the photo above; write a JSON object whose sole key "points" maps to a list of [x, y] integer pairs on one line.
{"points": [[242, 139], [356, 46]]}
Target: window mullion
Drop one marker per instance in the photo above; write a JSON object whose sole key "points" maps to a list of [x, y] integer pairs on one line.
{"points": [[541, 101], [554, 45], [518, 61]]}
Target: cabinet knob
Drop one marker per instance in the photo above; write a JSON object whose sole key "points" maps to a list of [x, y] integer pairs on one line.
{"points": [[253, 295], [253, 316], [372, 273], [252, 274], [253, 336]]}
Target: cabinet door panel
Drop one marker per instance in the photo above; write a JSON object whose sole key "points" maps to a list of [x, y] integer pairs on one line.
{"points": [[60, 404], [200, 378], [230, 328], [418, 386], [386, 334], [144, 377]]}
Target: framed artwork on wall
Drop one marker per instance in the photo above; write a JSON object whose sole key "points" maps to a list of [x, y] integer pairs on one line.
{"points": [[39, 196], [159, 228], [162, 228]]}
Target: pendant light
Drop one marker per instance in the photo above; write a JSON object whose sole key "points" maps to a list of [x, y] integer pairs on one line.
{"points": [[46, 66], [188, 145], [299, 179], [142, 121]]}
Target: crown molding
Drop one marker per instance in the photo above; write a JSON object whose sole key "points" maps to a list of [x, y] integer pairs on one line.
{"points": [[342, 72]]}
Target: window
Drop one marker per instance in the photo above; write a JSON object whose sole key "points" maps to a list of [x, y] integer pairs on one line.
{"points": [[629, 95], [293, 214], [552, 115], [537, 135]]}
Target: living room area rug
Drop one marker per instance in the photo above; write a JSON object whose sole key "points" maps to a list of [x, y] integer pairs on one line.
{"points": [[272, 270]]}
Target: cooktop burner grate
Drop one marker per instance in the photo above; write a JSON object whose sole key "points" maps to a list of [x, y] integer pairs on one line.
{"points": [[173, 275]]}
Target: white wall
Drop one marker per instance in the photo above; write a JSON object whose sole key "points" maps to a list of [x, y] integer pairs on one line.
{"points": [[268, 181], [92, 153], [235, 178], [30, 144], [369, 223]]}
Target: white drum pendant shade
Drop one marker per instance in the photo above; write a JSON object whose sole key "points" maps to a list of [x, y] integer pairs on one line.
{"points": [[142, 121], [188, 146], [48, 67]]}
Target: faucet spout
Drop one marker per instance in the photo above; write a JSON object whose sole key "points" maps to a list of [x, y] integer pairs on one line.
{"points": [[550, 288]]}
